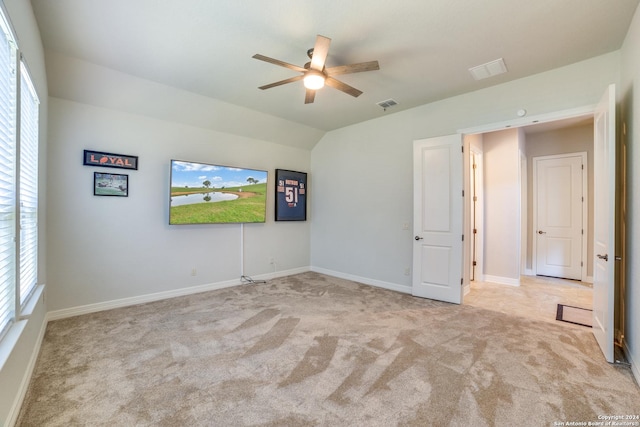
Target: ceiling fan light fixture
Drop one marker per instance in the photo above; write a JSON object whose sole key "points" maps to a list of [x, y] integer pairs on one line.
{"points": [[314, 73], [313, 80]]}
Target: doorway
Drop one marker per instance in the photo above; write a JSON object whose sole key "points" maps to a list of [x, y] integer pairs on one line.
{"points": [[555, 139], [604, 176], [507, 233], [531, 295]]}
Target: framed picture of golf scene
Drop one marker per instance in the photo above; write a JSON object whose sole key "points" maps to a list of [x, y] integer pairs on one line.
{"points": [[110, 184], [203, 193]]}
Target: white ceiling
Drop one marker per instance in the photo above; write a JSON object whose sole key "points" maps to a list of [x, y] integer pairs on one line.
{"points": [[424, 47]]}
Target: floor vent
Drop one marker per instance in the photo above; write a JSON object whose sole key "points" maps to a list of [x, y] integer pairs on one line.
{"points": [[386, 104]]}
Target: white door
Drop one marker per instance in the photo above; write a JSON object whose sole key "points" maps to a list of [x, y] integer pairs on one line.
{"points": [[604, 221], [559, 193], [437, 218]]}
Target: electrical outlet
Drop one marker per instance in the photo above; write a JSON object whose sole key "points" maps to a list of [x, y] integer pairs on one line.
{"points": [[272, 260], [407, 271], [405, 226], [194, 272]]}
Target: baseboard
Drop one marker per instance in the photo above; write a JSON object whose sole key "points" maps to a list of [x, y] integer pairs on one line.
{"points": [[142, 299], [364, 280], [283, 273], [502, 280], [635, 370], [587, 279]]}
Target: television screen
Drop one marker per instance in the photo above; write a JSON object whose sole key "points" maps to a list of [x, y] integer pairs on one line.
{"points": [[204, 193]]}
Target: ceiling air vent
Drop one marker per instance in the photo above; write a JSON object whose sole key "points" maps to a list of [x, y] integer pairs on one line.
{"points": [[386, 104], [489, 69]]}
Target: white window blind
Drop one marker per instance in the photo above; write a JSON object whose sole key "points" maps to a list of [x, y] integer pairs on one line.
{"points": [[7, 176], [28, 185]]}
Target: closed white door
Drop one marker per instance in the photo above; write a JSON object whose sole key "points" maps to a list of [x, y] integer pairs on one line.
{"points": [[437, 218], [604, 222], [560, 207]]}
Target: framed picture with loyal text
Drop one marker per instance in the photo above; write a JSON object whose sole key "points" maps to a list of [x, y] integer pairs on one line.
{"points": [[291, 195], [109, 160], [110, 184]]}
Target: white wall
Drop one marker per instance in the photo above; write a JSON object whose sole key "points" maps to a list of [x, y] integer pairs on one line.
{"points": [[502, 206], [108, 248], [19, 353], [87, 83], [630, 115], [363, 173]]}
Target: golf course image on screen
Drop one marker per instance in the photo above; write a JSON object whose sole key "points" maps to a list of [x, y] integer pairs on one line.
{"points": [[203, 193]]}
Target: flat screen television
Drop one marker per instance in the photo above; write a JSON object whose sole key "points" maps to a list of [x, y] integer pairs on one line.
{"points": [[203, 193]]}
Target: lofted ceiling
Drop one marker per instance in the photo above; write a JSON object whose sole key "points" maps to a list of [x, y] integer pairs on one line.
{"points": [[424, 47]]}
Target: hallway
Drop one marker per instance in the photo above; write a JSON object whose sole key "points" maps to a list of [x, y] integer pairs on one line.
{"points": [[536, 298]]}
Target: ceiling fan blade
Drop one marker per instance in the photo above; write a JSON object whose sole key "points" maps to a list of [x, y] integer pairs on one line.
{"points": [[336, 84], [278, 62], [320, 52], [282, 82], [309, 96], [352, 68]]}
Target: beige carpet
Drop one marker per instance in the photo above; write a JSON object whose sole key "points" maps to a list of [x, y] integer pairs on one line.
{"points": [[315, 350]]}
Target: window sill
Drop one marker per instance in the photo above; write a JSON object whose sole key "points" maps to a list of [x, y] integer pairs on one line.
{"points": [[32, 301], [10, 339]]}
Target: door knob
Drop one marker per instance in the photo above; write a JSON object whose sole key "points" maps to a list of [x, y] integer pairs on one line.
{"points": [[419, 238], [542, 232], [604, 257]]}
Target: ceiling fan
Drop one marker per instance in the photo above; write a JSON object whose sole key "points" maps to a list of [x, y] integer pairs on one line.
{"points": [[315, 75]]}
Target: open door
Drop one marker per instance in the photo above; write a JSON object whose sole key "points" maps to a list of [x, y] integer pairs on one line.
{"points": [[437, 218], [604, 222]]}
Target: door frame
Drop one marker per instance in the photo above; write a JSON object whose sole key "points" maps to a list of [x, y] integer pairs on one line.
{"points": [[583, 111], [524, 211], [469, 149], [585, 210]]}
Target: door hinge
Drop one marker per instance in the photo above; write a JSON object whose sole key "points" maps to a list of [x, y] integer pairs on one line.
{"points": [[463, 237], [475, 231], [475, 166], [462, 147], [461, 281], [581, 264], [462, 193], [475, 263], [582, 167]]}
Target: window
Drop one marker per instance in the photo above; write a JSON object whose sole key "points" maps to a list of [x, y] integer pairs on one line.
{"points": [[28, 183], [7, 176], [19, 110]]}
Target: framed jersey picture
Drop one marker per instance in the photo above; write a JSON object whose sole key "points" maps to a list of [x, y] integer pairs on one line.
{"points": [[291, 195]]}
